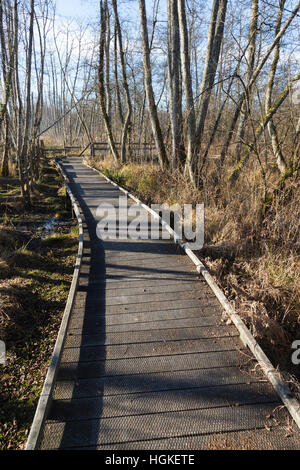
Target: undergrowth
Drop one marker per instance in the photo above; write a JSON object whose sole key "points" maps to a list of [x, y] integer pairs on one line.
{"points": [[35, 277]]}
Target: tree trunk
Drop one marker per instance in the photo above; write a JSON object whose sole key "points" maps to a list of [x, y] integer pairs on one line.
{"points": [[279, 158], [178, 157], [107, 64], [126, 125], [101, 85], [24, 160], [188, 90], [5, 155], [7, 59], [250, 65], [156, 129], [117, 88], [216, 29]]}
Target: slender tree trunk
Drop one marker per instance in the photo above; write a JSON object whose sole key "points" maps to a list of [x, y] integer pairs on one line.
{"points": [[127, 121], [24, 160], [279, 158], [101, 85], [8, 51], [178, 157], [188, 90], [7, 59], [250, 65], [5, 154], [117, 88], [107, 63], [216, 30], [18, 104], [156, 129]]}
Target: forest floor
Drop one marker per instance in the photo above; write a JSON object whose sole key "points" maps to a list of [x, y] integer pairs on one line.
{"points": [[37, 255], [254, 259]]}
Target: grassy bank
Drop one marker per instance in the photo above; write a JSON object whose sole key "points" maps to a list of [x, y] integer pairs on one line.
{"points": [[254, 259], [35, 275]]}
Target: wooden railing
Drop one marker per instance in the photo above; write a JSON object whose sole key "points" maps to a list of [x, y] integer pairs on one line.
{"points": [[140, 151]]}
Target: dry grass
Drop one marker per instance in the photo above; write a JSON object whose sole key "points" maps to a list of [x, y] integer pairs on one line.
{"points": [[148, 181]]}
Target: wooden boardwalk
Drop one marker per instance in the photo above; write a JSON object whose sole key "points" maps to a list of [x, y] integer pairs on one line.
{"points": [[148, 362]]}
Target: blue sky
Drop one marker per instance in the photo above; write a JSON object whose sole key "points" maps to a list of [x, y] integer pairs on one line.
{"points": [[90, 8], [76, 8]]}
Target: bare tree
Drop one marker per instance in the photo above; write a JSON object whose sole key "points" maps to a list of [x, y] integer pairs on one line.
{"points": [[8, 52], [263, 124], [117, 88], [127, 120], [187, 79], [23, 157], [7, 58], [245, 91], [156, 129], [215, 38], [175, 99], [246, 106], [101, 80], [107, 62], [279, 158]]}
